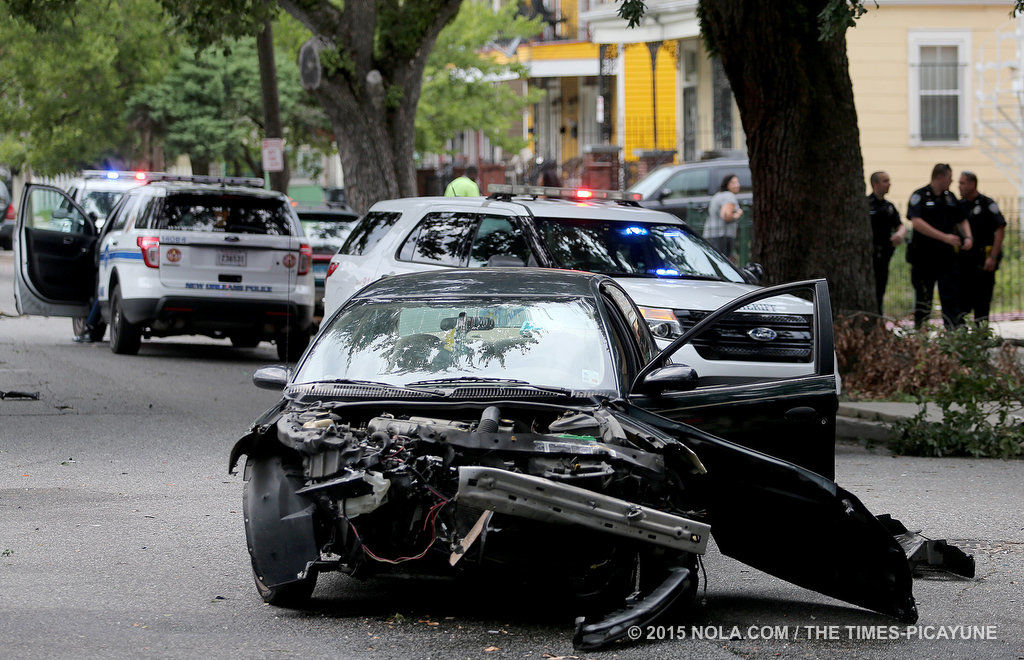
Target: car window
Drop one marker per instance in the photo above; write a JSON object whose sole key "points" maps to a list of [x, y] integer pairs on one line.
{"points": [[497, 236], [50, 210], [689, 183], [635, 321], [403, 341], [439, 239], [128, 213], [100, 202], [741, 172], [374, 226], [653, 182], [634, 249], [226, 213], [145, 215]]}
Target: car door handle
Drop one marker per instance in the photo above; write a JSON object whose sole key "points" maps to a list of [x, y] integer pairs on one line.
{"points": [[232, 239], [801, 414], [67, 240]]}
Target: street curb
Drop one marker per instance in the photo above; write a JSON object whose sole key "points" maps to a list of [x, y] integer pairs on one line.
{"points": [[862, 431]]}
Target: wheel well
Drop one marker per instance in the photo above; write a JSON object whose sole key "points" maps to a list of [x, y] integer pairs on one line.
{"points": [[113, 283]]}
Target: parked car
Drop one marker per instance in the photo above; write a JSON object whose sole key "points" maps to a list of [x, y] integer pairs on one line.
{"points": [[217, 256], [8, 220], [685, 190], [673, 274], [326, 228], [98, 191], [523, 423]]}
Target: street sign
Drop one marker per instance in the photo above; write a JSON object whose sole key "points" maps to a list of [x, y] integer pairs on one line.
{"points": [[273, 155]]}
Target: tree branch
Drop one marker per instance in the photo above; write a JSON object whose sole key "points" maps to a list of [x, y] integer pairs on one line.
{"points": [[318, 16]]}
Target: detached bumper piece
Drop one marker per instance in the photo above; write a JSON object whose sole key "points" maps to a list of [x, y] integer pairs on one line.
{"points": [[544, 500], [639, 611], [929, 554]]}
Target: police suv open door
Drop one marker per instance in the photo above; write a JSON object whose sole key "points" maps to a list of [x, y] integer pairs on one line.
{"points": [[790, 418], [54, 254]]}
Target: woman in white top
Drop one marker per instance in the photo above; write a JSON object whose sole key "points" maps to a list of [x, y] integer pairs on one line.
{"points": [[723, 212]]}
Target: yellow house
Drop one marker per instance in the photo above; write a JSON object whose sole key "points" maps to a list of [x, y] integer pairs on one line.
{"points": [[934, 81], [937, 82]]}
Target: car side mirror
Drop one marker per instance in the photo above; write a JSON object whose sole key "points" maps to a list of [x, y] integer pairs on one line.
{"points": [[60, 214], [663, 193], [273, 377], [500, 260], [756, 272], [675, 377]]}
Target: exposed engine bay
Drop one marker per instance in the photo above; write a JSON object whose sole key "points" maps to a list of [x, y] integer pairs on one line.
{"points": [[359, 489]]}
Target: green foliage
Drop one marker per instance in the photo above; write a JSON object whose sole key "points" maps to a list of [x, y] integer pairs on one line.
{"points": [[980, 401], [66, 72], [209, 106], [838, 16], [971, 376], [462, 88]]}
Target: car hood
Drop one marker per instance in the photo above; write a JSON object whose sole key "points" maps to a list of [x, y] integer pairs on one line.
{"points": [[705, 295]]}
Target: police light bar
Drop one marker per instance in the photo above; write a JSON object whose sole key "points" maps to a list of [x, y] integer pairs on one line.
{"points": [[147, 177], [116, 175], [253, 181], [589, 194]]}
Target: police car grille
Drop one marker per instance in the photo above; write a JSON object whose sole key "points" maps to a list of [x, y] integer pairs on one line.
{"points": [[729, 338]]}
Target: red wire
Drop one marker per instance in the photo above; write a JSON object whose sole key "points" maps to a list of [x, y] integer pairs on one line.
{"points": [[431, 517]]}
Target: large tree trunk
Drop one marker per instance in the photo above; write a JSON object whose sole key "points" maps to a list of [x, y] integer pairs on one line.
{"points": [[795, 99], [372, 73]]}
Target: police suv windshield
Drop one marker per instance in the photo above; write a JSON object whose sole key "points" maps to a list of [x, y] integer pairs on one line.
{"points": [[633, 249], [553, 342]]}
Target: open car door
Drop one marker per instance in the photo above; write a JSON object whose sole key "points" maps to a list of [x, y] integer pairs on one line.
{"points": [[790, 418], [54, 254]]}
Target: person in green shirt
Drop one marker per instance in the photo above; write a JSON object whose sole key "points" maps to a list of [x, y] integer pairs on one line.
{"points": [[465, 185]]}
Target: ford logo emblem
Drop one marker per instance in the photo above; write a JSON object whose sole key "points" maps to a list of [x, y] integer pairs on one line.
{"points": [[762, 334]]}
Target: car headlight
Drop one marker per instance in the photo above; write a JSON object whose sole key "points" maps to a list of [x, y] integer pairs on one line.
{"points": [[663, 322]]}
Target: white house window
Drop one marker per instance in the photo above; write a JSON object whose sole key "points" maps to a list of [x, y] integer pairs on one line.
{"points": [[939, 95]]}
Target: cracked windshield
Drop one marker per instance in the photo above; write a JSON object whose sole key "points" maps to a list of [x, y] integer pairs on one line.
{"points": [[404, 342]]}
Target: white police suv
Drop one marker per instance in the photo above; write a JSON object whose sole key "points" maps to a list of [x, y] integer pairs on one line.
{"points": [[98, 191], [216, 256], [675, 277]]}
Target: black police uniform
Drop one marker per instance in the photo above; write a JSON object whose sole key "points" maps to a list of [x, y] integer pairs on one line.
{"points": [[932, 261], [885, 220], [976, 283]]}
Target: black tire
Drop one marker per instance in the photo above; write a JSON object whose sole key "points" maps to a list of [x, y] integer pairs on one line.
{"points": [[125, 338], [245, 341], [97, 332], [295, 594], [290, 347]]}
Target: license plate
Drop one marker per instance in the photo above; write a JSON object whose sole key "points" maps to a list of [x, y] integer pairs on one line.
{"points": [[231, 257]]}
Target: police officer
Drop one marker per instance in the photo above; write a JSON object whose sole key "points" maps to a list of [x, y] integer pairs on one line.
{"points": [[978, 266], [937, 218], [886, 231]]}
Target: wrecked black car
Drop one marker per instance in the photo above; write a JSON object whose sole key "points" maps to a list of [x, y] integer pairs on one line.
{"points": [[523, 421]]}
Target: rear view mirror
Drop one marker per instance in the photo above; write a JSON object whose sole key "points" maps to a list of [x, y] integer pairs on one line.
{"points": [[675, 377], [472, 323], [273, 377], [500, 260], [756, 271]]}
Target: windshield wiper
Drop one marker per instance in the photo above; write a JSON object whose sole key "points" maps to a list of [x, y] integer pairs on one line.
{"points": [[468, 379], [484, 380], [352, 381]]}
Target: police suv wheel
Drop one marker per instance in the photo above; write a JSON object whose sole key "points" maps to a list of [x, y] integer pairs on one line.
{"points": [[125, 337]]}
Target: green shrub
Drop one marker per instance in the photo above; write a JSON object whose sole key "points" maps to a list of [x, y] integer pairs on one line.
{"points": [[974, 378]]}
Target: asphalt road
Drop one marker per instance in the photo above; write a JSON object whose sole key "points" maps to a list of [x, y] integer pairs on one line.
{"points": [[121, 535]]}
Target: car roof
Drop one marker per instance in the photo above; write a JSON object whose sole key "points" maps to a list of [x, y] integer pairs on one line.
{"points": [[485, 283], [541, 208], [105, 185], [172, 187]]}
